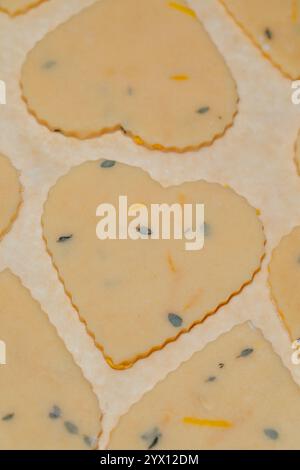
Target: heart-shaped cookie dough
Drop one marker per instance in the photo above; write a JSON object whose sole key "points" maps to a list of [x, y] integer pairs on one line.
{"points": [[146, 67], [273, 26], [46, 403], [16, 7], [10, 195], [228, 396], [137, 295], [284, 279]]}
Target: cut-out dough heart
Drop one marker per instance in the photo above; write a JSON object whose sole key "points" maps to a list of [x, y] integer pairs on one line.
{"points": [[284, 279], [10, 195], [46, 403], [137, 295], [235, 394], [148, 68], [273, 26], [16, 7], [297, 153]]}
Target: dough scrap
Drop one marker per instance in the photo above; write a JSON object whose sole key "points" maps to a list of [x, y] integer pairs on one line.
{"points": [[235, 394], [46, 403], [10, 194], [274, 26], [284, 279], [136, 295], [163, 81], [17, 7]]}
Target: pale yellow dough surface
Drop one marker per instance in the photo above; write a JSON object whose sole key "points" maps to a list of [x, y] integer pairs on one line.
{"points": [[149, 68], [297, 153], [10, 194], [274, 26], [125, 290], [284, 278], [235, 394], [16, 7], [46, 403]]}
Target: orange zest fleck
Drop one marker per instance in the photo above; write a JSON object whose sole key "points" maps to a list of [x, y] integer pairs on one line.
{"points": [[182, 8], [179, 78], [171, 264], [181, 199], [193, 300], [295, 11], [219, 423], [157, 147], [138, 140]]}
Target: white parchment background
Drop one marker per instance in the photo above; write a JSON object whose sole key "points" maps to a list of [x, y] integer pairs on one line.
{"points": [[255, 158]]}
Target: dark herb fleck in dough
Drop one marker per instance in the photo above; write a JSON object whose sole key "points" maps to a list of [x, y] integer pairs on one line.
{"points": [[246, 352], [49, 64], [152, 437], [89, 441], [298, 341], [212, 378], [271, 433], [55, 412], [64, 238], [57, 130], [108, 164], [221, 365], [298, 259], [129, 91], [144, 230], [203, 110], [207, 230], [71, 427], [8, 417], [175, 320], [268, 33]]}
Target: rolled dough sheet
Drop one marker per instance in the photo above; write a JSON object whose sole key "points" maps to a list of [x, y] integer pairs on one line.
{"points": [[167, 60], [235, 394], [297, 153], [284, 279], [16, 7], [46, 403], [259, 168], [10, 194], [274, 26], [137, 295]]}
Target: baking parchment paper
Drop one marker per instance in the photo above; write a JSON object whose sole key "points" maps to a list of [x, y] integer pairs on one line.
{"points": [[255, 157]]}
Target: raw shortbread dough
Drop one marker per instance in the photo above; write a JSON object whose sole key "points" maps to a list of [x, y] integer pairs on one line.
{"points": [[46, 403], [235, 394], [136, 295], [284, 279], [148, 68], [10, 194], [274, 26], [16, 7], [297, 153]]}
